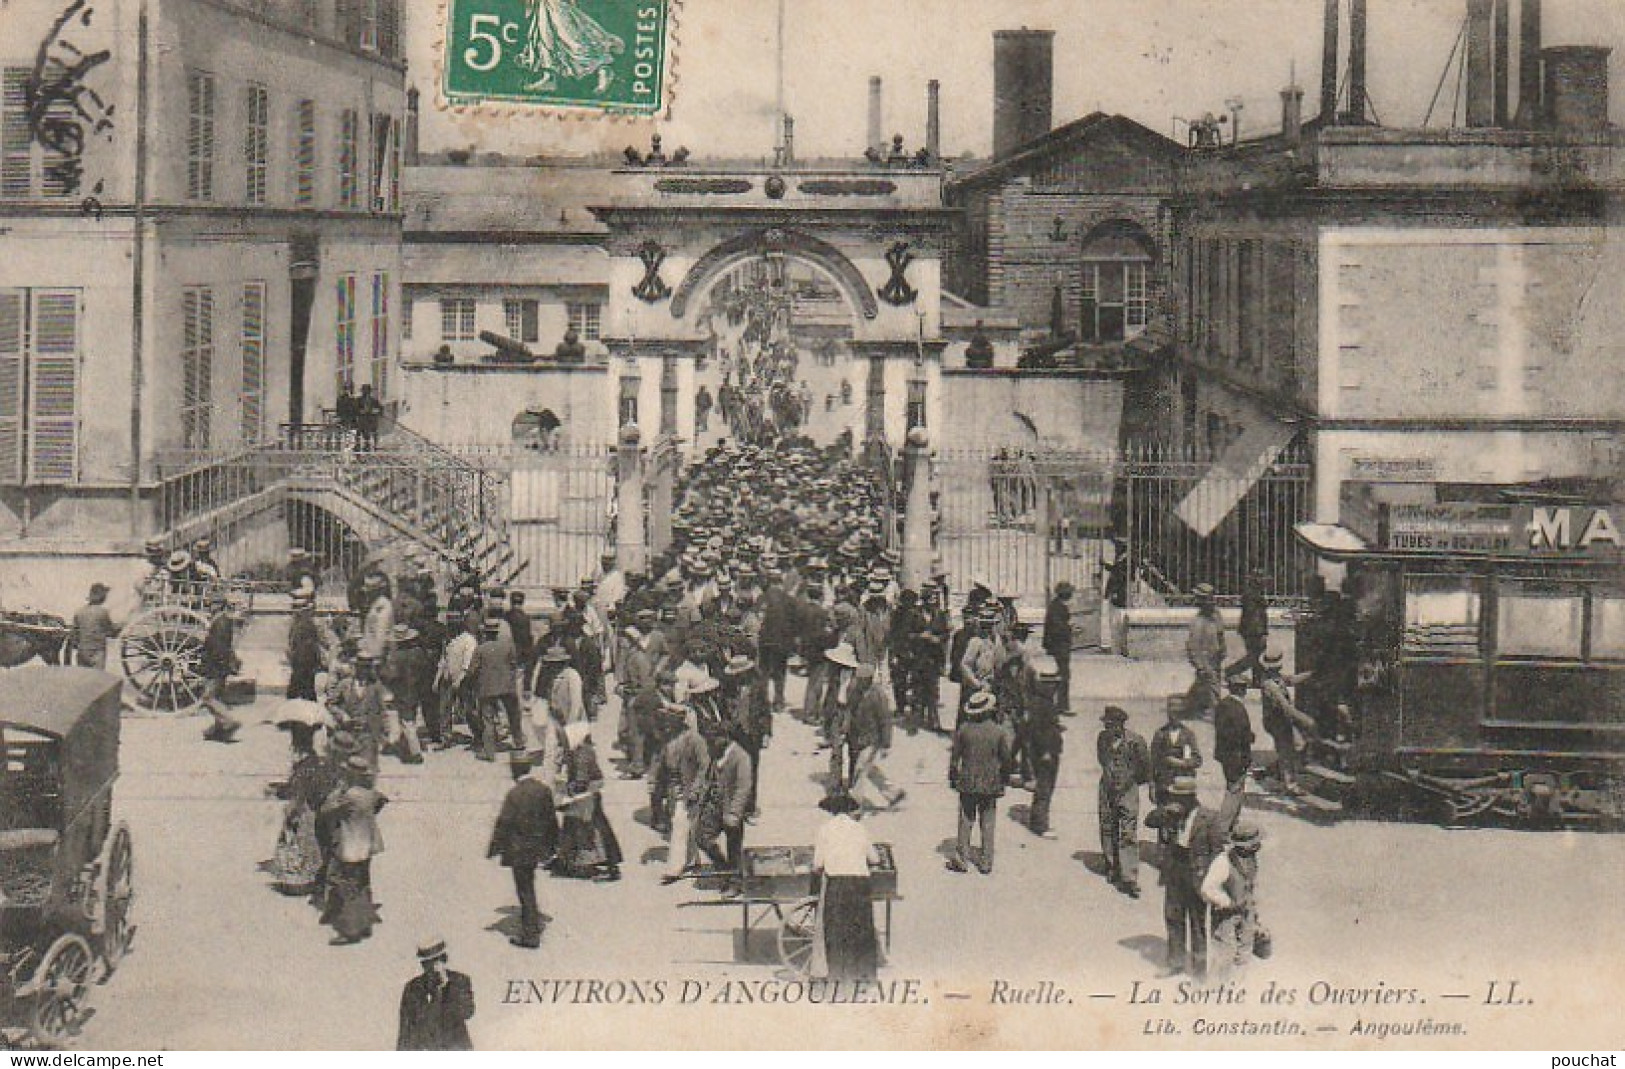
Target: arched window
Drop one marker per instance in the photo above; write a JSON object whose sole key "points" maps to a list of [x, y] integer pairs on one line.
{"points": [[1115, 283]]}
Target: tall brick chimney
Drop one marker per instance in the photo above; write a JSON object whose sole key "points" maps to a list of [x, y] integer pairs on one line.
{"points": [[877, 135], [933, 120], [1023, 87], [1480, 63], [1328, 64], [1530, 112]]}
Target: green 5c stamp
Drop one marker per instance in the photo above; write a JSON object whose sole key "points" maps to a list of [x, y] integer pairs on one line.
{"points": [[597, 55]]}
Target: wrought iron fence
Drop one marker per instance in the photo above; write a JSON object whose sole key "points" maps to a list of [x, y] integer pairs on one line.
{"points": [[557, 503], [1158, 492], [1023, 520]]}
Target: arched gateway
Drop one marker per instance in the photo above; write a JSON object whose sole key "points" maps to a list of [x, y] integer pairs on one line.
{"points": [[870, 240]]}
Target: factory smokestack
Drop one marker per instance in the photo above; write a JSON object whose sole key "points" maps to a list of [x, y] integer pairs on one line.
{"points": [[1357, 108], [409, 132], [1529, 105], [1023, 87], [1328, 65], [1576, 88], [1480, 67], [1503, 63], [933, 120], [876, 138]]}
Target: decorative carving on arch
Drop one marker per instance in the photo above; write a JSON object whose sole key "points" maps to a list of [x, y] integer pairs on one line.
{"points": [[775, 240]]}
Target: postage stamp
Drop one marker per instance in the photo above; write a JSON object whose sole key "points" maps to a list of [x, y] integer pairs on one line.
{"points": [[584, 56]]}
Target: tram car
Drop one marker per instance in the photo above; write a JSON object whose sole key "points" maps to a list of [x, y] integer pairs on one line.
{"points": [[1489, 641]]}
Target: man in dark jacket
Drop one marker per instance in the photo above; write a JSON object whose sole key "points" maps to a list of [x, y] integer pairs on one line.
{"points": [[436, 1004], [977, 766], [305, 653], [1044, 742], [1058, 636], [1233, 732], [777, 638], [524, 638], [1125, 764], [526, 835]]}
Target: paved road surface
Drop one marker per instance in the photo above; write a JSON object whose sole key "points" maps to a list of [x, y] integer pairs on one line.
{"points": [[222, 961]]}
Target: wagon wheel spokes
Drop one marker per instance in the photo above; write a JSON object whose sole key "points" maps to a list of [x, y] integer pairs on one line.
{"points": [[162, 656], [798, 933], [116, 902], [59, 1000]]}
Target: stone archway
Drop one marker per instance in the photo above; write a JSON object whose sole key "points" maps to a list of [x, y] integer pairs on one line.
{"points": [[877, 236], [743, 248]]}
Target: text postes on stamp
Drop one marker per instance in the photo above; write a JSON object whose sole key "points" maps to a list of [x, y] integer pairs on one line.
{"points": [[607, 56]]}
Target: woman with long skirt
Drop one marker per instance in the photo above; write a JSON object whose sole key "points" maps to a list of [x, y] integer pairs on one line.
{"points": [[842, 856], [297, 864], [587, 844], [352, 816]]}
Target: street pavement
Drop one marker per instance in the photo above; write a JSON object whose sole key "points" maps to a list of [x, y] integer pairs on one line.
{"points": [[221, 960]]}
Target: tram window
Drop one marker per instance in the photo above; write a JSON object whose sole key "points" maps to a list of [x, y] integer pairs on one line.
{"points": [[1539, 620], [1441, 616], [1608, 626]]}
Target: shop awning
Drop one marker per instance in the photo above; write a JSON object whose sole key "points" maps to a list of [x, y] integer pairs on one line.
{"points": [[1330, 541], [1236, 471]]}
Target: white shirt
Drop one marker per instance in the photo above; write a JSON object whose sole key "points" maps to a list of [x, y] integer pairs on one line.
{"points": [[1218, 873], [842, 848], [459, 652], [1185, 828]]}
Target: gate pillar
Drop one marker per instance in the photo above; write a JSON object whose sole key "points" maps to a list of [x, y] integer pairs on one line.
{"points": [[630, 542], [917, 550]]}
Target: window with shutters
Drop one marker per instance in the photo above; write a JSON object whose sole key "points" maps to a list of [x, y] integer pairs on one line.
{"points": [[304, 153], [253, 352], [408, 309], [27, 168], [256, 143], [197, 365], [457, 319], [39, 385], [389, 28], [380, 335], [308, 10], [199, 135], [349, 136], [385, 132], [586, 320], [344, 332], [523, 319]]}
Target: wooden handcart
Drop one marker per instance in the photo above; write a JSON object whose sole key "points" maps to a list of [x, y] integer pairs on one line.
{"points": [[776, 887]]}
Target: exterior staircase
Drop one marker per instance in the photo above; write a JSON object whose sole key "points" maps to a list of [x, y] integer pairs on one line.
{"points": [[408, 494]]}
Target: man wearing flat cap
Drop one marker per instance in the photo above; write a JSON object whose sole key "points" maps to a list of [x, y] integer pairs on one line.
{"points": [[1125, 765], [1057, 640], [436, 1005]]}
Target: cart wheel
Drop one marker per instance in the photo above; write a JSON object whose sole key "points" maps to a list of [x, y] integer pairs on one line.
{"points": [[798, 929], [162, 654], [116, 899], [63, 980]]}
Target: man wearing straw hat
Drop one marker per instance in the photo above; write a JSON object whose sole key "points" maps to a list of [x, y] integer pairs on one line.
{"points": [[436, 1005], [976, 769]]}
